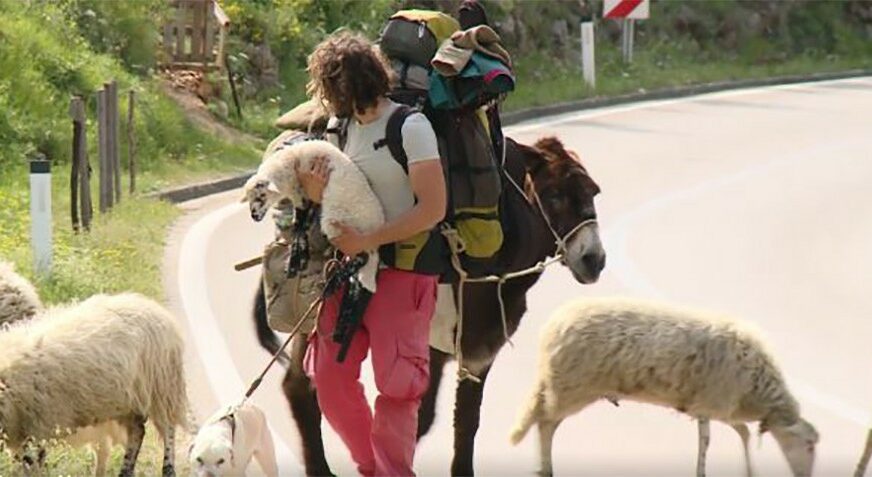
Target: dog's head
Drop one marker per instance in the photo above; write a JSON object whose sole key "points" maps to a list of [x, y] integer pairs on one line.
{"points": [[261, 194], [211, 455]]}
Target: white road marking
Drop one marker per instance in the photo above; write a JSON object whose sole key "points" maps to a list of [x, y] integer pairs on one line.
{"points": [[534, 124], [617, 236], [224, 378]]}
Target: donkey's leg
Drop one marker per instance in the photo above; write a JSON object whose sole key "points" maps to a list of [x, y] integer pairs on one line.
{"points": [[304, 407], [467, 413], [704, 436], [135, 426], [427, 411]]}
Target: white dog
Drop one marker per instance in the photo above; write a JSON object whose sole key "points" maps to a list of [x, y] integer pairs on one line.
{"points": [[229, 439]]}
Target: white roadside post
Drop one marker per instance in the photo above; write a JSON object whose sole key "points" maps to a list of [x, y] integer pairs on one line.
{"points": [[588, 64], [40, 214]]}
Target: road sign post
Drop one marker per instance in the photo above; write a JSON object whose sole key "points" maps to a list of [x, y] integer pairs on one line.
{"points": [[588, 65], [629, 11]]}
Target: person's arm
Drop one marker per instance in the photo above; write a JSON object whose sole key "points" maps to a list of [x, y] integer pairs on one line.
{"points": [[428, 185]]}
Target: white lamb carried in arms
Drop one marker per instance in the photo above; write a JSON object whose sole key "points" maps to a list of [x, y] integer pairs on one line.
{"points": [[707, 366], [348, 198]]}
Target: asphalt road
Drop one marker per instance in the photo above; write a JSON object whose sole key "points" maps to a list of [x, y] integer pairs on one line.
{"points": [[754, 202]]}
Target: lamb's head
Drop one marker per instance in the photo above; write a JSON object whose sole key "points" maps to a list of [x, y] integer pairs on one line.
{"points": [[798, 442], [261, 194]]}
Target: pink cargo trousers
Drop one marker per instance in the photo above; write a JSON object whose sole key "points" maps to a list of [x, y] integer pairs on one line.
{"points": [[396, 327]]}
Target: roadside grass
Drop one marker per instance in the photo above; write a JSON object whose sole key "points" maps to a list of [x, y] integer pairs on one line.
{"points": [[543, 80]]}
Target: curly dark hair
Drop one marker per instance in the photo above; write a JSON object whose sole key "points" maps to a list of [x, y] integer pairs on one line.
{"points": [[348, 73]]}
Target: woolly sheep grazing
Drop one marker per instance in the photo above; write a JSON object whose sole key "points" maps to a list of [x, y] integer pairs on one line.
{"points": [[702, 365], [18, 298], [20, 301], [109, 358], [347, 199]]}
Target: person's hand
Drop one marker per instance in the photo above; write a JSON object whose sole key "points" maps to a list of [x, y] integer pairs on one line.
{"points": [[313, 179], [350, 241]]}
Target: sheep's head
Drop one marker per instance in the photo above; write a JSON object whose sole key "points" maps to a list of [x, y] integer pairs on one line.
{"points": [[798, 442], [261, 194]]}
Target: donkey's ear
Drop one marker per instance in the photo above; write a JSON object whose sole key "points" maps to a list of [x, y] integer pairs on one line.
{"points": [[533, 158], [552, 146]]}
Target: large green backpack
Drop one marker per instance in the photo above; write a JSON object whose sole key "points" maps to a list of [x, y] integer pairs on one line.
{"points": [[473, 179]]}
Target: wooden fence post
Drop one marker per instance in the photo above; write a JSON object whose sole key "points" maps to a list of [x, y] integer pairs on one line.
{"points": [[131, 140], [81, 167], [106, 194], [114, 149], [76, 113]]}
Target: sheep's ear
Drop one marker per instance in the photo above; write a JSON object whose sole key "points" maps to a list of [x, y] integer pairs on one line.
{"points": [[243, 198], [272, 187]]}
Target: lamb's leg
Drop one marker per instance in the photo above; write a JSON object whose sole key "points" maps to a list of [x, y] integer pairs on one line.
{"points": [[135, 427], [304, 407], [169, 456], [427, 411], [467, 414], [546, 439], [864, 460], [745, 435], [704, 437]]}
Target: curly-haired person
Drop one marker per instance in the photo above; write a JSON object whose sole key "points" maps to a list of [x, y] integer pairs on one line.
{"points": [[349, 75]]}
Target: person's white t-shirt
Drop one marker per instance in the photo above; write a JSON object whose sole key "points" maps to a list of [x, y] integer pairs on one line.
{"points": [[386, 177]]}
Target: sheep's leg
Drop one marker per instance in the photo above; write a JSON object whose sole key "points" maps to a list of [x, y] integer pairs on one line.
{"points": [[467, 414], [546, 439], [745, 434], [135, 426], [304, 407], [427, 411], [864, 460], [704, 437], [169, 452], [101, 450], [32, 458]]}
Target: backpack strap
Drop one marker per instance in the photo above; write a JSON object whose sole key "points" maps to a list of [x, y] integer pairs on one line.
{"points": [[394, 135], [340, 129]]}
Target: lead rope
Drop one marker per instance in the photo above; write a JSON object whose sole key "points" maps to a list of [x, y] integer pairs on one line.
{"points": [[328, 267]]}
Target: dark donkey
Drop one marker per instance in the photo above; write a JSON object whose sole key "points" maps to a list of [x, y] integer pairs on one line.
{"points": [[549, 209]]}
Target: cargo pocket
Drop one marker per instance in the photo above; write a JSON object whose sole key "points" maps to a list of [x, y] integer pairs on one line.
{"points": [[410, 374]]}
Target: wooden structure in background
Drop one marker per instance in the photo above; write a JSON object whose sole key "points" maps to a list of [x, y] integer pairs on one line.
{"points": [[194, 36], [80, 177]]}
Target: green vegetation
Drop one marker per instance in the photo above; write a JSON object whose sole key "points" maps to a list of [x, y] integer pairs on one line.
{"points": [[683, 43], [90, 42]]}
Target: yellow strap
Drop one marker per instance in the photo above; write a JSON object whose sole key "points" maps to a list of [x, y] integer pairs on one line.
{"points": [[440, 24]]}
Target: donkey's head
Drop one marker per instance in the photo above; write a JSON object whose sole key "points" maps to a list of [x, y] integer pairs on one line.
{"points": [[565, 192]]}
